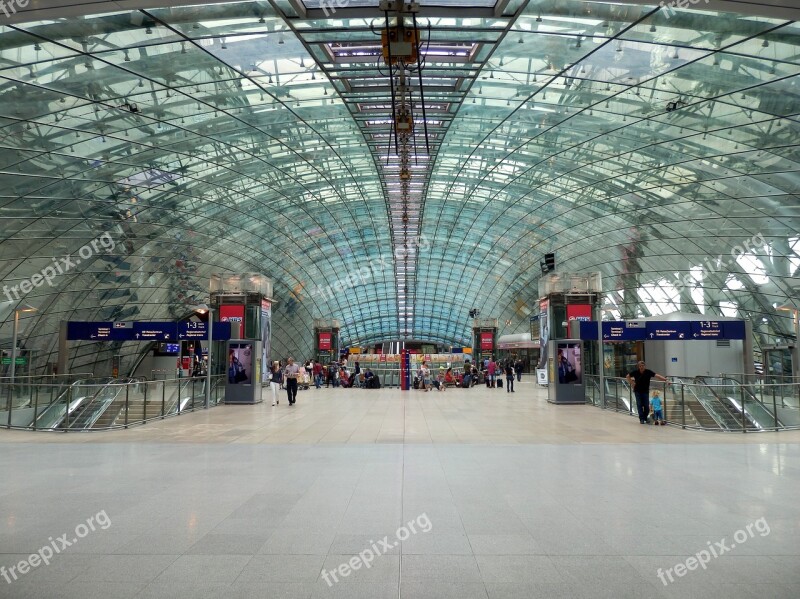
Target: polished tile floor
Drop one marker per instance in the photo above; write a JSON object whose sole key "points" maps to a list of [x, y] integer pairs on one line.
{"points": [[462, 494]]}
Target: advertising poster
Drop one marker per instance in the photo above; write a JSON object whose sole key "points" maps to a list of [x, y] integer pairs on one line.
{"points": [[324, 342], [568, 363], [487, 341], [266, 336], [240, 364], [579, 312], [544, 332], [233, 314]]}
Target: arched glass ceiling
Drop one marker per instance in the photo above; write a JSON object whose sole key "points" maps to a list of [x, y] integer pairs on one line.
{"points": [[252, 136]]}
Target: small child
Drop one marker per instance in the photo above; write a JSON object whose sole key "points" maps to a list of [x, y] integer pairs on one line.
{"points": [[440, 382], [657, 410]]}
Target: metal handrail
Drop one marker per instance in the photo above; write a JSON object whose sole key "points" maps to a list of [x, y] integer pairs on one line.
{"points": [[783, 414], [71, 410]]}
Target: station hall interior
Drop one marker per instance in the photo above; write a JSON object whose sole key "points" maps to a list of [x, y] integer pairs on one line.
{"points": [[540, 257]]}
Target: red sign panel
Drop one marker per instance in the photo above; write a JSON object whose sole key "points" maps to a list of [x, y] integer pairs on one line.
{"points": [[324, 341], [487, 341], [233, 314], [582, 312]]}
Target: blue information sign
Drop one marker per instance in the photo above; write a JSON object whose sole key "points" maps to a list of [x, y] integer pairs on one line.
{"points": [[707, 329], [95, 331], [734, 329], [155, 331], [631, 330], [588, 331], [669, 331], [193, 330], [145, 331], [639, 330], [199, 331]]}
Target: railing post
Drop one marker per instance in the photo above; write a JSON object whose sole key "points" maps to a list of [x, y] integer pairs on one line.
{"points": [[630, 401], [683, 408], [35, 406], [144, 408], [178, 411], [66, 410], [127, 405], [744, 420], [163, 399], [9, 403], [774, 407]]}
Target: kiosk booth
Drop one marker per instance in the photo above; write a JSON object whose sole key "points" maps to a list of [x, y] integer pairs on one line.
{"points": [[326, 340], [565, 298], [245, 301]]}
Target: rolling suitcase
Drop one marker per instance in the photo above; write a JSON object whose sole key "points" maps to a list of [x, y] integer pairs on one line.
{"points": [[499, 383]]}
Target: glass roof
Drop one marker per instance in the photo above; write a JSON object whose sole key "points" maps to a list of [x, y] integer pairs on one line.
{"points": [[642, 142]]}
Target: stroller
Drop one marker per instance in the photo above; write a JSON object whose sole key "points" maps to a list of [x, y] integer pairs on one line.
{"points": [[303, 380]]}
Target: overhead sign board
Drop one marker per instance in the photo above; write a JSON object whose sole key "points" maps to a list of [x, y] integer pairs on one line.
{"points": [[707, 330], [145, 331], [734, 329], [193, 330], [95, 331], [668, 331], [155, 331], [624, 331], [640, 330]]}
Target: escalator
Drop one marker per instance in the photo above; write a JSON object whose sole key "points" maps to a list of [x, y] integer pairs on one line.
{"points": [[733, 394], [90, 411], [695, 408], [69, 401], [726, 413]]}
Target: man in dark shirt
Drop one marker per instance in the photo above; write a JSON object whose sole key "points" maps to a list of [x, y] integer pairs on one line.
{"points": [[639, 381]]}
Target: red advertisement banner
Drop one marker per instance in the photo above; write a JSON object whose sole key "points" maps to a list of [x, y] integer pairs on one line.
{"points": [[233, 314]]}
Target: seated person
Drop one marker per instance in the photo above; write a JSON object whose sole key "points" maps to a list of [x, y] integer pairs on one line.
{"points": [[369, 378], [344, 378], [448, 378], [440, 382]]}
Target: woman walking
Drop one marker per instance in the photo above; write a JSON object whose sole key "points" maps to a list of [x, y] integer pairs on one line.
{"points": [[275, 381]]}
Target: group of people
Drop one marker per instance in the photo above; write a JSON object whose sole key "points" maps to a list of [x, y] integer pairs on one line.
{"points": [[647, 407], [493, 372], [335, 374]]}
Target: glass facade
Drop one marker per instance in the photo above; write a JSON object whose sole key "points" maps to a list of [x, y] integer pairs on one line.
{"points": [[654, 144]]}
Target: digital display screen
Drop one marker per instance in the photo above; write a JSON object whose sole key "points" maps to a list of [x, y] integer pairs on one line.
{"points": [[168, 349]]}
